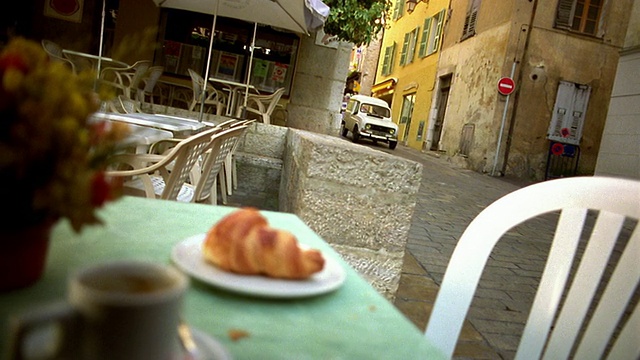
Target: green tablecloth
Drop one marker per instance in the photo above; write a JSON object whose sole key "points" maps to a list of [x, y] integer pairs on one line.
{"points": [[353, 322]]}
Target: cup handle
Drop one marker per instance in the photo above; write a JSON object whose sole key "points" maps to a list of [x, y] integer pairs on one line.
{"points": [[51, 332]]}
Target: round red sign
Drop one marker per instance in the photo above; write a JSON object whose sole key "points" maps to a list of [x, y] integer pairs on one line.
{"points": [[506, 85]]}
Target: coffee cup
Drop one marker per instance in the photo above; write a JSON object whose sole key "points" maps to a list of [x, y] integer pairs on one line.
{"points": [[116, 310]]}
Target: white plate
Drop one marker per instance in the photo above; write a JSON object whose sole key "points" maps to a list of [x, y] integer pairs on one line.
{"points": [[188, 255]]}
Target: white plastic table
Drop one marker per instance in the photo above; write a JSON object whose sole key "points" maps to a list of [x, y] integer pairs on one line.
{"points": [[179, 126]]}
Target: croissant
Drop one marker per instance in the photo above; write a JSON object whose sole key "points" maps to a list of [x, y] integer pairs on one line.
{"points": [[242, 242]]}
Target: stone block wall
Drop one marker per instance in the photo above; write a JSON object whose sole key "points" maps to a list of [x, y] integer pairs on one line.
{"points": [[358, 199], [259, 166]]}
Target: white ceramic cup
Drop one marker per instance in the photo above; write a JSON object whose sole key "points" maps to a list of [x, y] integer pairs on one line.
{"points": [[117, 310]]}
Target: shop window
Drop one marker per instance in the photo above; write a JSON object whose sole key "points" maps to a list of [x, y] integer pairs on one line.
{"points": [[582, 16], [186, 36]]}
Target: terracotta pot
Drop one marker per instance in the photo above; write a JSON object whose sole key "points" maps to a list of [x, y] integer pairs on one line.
{"points": [[23, 255]]}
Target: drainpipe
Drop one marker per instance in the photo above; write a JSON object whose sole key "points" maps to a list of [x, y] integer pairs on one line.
{"points": [[506, 105]]}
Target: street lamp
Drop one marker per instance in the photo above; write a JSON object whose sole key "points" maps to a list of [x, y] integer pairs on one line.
{"points": [[411, 5]]}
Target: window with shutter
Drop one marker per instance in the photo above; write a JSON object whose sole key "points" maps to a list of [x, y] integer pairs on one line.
{"points": [[469, 28], [413, 40], [387, 64], [398, 9], [436, 33], [422, 52], [405, 48], [431, 34], [564, 13], [583, 16]]}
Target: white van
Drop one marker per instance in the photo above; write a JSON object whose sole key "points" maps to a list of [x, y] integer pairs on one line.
{"points": [[369, 117]]}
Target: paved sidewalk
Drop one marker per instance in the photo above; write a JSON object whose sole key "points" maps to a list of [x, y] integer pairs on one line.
{"points": [[449, 198]]}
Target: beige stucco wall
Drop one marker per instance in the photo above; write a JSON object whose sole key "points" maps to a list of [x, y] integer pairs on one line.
{"points": [[505, 40], [557, 55], [474, 99]]}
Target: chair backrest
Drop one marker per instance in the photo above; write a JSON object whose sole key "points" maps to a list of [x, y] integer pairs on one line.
{"points": [[55, 53], [186, 154], [273, 101], [197, 84], [125, 79], [212, 96], [221, 145], [139, 71], [52, 48], [617, 203], [150, 81]]}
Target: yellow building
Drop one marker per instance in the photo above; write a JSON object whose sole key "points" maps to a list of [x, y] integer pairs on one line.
{"points": [[408, 63]]}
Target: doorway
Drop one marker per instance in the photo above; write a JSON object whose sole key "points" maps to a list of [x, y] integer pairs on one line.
{"points": [[405, 116], [443, 99]]}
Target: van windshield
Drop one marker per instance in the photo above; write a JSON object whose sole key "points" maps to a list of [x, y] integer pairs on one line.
{"points": [[375, 110]]}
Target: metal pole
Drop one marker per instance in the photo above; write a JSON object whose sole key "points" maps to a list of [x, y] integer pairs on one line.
{"points": [[246, 86], [95, 83], [208, 68], [504, 119]]}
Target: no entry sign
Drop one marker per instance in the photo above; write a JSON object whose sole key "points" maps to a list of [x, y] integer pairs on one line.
{"points": [[506, 85]]}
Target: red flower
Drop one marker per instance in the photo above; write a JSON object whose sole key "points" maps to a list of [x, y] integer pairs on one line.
{"points": [[12, 60], [100, 189]]}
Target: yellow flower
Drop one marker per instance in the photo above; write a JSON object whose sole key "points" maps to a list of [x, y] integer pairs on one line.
{"points": [[50, 157]]}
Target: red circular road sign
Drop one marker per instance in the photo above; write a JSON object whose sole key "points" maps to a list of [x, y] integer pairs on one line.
{"points": [[506, 85]]}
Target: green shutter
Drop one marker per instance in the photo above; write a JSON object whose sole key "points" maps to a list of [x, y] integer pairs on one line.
{"points": [[398, 9], [438, 35], [393, 57], [386, 61], [405, 48], [425, 38], [412, 44], [387, 65]]}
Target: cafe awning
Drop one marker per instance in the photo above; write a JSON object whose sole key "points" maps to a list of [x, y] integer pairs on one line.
{"points": [[384, 88]]}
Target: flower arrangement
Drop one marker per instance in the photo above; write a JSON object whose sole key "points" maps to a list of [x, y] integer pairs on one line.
{"points": [[51, 157]]}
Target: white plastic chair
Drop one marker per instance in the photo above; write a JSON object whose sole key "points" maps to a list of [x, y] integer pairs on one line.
{"points": [[213, 97], [149, 81], [127, 79], [207, 172], [549, 333], [55, 54], [230, 172], [263, 105], [162, 176], [222, 144]]}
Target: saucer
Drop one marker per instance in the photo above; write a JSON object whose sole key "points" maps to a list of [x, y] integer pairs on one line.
{"points": [[208, 348]]}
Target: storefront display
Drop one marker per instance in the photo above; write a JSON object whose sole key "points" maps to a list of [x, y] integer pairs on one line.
{"points": [[185, 38]]}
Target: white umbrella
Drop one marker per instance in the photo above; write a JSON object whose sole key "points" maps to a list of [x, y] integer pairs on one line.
{"points": [[300, 16]]}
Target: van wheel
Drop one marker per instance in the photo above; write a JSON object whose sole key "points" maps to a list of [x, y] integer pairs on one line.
{"points": [[344, 131], [356, 134], [393, 144]]}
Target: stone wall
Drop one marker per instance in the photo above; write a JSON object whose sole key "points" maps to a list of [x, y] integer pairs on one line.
{"points": [[259, 166], [358, 199]]}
